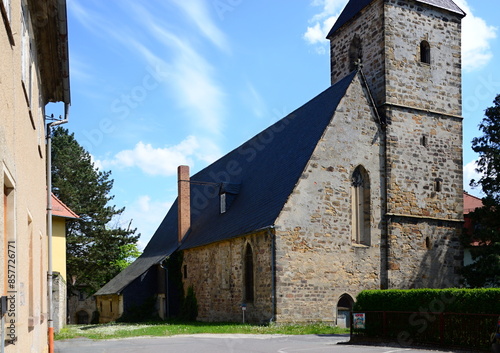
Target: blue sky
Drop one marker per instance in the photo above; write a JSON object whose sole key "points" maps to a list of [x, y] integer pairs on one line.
{"points": [[160, 83]]}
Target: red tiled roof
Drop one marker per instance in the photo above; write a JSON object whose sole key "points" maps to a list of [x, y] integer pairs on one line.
{"points": [[59, 209], [471, 203]]}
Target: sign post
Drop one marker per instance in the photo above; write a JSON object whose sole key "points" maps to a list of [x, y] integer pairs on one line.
{"points": [[359, 320], [243, 309]]}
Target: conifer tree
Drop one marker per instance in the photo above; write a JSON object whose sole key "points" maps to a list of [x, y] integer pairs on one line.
{"points": [[485, 271], [96, 245]]}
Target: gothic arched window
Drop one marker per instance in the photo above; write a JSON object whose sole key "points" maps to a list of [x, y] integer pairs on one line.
{"points": [[425, 52], [249, 275], [360, 203], [355, 53]]}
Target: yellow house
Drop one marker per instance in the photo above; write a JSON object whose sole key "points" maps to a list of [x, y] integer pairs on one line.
{"points": [[110, 307], [60, 214]]}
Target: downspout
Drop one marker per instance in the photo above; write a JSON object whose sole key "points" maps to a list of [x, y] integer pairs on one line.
{"points": [[50, 275], [66, 98], [383, 123]]}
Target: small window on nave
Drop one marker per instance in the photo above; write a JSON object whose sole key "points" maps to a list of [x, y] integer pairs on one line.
{"points": [[425, 52]]}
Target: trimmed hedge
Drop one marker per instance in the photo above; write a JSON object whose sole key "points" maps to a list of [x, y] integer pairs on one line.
{"points": [[472, 301]]}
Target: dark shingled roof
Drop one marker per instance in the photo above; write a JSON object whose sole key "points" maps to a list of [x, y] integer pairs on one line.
{"points": [[267, 168], [259, 177], [162, 244], [353, 7]]}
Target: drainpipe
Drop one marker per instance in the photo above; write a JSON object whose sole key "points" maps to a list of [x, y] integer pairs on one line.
{"points": [[50, 275]]}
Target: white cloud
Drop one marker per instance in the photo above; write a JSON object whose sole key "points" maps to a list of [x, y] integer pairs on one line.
{"points": [[323, 22], [476, 37], [254, 100], [476, 33], [156, 161], [199, 14], [146, 215], [469, 174], [190, 76], [97, 163]]}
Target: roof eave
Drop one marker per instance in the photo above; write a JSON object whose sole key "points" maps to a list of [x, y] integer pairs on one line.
{"points": [[50, 27]]}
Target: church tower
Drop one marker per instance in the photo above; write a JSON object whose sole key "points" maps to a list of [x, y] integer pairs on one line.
{"points": [[410, 53]]}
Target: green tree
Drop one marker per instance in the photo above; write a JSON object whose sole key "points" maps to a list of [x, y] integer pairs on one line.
{"points": [[95, 249], [485, 271]]}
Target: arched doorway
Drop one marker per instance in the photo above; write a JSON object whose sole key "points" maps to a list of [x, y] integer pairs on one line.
{"points": [[82, 317], [344, 308]]}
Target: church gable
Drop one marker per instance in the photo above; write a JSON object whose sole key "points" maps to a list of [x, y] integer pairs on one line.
{"points": [[319, 217]]}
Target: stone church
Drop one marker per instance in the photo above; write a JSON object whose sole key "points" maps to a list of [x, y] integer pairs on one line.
{"points": [[360, 188]]}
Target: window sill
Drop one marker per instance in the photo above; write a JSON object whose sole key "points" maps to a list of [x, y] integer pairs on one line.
{"points": [[360, 246]]}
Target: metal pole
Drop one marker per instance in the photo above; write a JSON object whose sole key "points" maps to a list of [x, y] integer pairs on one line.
{"points": [[50, 321], [50, 275]]}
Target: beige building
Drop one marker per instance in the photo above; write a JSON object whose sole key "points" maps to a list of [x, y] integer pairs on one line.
{"points": [[34, 72]]}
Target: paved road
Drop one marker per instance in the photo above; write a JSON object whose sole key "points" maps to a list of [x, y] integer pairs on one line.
{"points": [[224, 343]]}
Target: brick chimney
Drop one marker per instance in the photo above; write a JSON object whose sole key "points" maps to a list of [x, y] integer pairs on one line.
{"points": [[183, 201]]}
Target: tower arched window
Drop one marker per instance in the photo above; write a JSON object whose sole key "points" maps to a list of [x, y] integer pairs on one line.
{"points": [[355, 53], [425, 52], [249, 274], [360, 203]]}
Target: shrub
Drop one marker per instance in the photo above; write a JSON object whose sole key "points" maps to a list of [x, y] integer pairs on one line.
{"points": [[473, 301], [189, 309]]}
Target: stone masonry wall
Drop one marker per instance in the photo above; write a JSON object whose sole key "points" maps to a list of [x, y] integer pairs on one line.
{"points": [[317, 261], [369, 27], [216, 272], [425, 189], [424, 147], [437, 85], [423, 254]]}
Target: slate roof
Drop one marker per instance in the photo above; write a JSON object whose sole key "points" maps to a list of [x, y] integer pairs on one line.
{"points": [[353, 7], [260, 175]]}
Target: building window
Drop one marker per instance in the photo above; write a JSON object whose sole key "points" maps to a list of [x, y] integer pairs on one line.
{"points": [[355, 53], [9, 236], [428, 243], [425, 52], [360, 204], [185, 271], [424, 141], [249, 275], [223, 203], [438, 185], [81, 295]]}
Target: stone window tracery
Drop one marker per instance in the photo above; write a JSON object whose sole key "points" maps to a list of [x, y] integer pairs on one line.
{"points": [[360, 204]]}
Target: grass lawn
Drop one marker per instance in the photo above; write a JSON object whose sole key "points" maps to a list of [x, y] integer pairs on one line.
{"points": [[118, 330]]}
